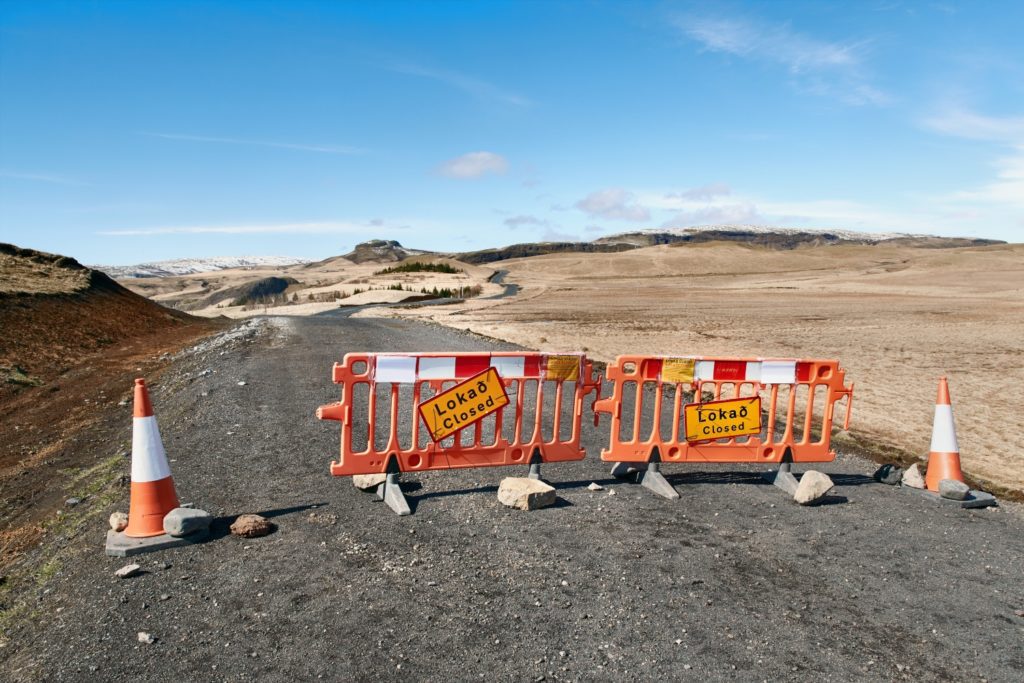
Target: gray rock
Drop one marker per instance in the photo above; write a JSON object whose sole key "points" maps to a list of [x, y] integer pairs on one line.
{"points": [[251, 526], [71, 502], [594, 486], [184, 521], [127, 571], [146, 638], [913, 478], [118, 521], [522, 493], [813, 487], [889, 474], [953, 489], [368, 482]]}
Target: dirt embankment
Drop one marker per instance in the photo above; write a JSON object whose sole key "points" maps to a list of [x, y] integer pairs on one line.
{"points": [[72, 341]]}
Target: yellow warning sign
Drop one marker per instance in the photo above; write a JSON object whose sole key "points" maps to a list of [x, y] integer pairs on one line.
{"points": [[463, 404], [723, 419], [563, 367], [677, 370]]}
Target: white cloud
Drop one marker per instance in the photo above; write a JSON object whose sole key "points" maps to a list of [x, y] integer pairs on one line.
{"points": [[317, 228], [469, 84], [326, 149], [962, 123], [474, 165], [613, 203], [738, 214], [820, 67]]}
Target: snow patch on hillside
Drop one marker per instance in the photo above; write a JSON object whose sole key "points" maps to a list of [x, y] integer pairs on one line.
{"points": [[188, 266]]}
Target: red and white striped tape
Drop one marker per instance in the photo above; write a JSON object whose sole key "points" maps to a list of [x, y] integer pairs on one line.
{"points": [[408, 369], [775, 371]]}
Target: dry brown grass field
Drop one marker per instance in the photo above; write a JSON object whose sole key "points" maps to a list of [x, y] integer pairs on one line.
{"points": [[896, 317]]}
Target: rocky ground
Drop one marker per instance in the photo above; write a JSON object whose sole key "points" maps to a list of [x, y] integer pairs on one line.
{"points": [[731, 582]]}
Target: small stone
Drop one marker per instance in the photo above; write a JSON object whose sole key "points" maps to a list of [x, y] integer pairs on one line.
{"points": [[594, 486], [251, 526], [118, 521], [164, 596], [611, 492], [182, 521], [368, 482], [814, 485], [146, 638], [241, 384], [913, 478], [953, 489], [888, 474], [127, 571], [522, 493], [72, 502]]}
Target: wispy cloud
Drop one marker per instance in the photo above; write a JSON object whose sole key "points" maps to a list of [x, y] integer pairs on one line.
{"points": [[474, 165], [324, 149], [817, 66], [614, 203], [469, 84], [41, 178], [1007, 187], [316, 228], [521, 220]]}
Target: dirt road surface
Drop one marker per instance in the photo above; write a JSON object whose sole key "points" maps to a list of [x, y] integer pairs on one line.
{"points": [[731, 582]]}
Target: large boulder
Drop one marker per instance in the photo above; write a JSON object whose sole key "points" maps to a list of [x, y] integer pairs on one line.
{"points": [[251, 526], [953, 489], [184, 521], [368, 482], [889, 474], [522, 493], [813, 487]]}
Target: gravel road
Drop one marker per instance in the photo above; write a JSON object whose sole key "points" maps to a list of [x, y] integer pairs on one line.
{"points": [[731, 582]]}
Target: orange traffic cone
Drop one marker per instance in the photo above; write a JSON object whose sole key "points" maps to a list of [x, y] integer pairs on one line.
{"points": [[153, 494], [944, 455]]}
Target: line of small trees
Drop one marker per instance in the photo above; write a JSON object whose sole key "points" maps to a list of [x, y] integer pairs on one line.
{"points": [[418, 267]]}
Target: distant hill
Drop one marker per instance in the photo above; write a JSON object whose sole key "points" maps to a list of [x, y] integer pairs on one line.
{"points": [[770, 238], [186, 266], [381, 251]]}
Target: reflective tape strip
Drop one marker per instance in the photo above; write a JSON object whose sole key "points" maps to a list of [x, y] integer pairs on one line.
{"points": [[396, 369], [704, 370], [753, 371], [730, 370], [149, 461], [467, 366], [509, 366], [437, 368], [944, 431], [778, 372]]}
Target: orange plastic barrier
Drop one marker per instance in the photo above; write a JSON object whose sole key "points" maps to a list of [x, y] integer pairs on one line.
{"points": [[380, 420], [649, 394]]}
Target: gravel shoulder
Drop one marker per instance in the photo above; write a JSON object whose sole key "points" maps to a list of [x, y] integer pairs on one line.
{"points": [[731, 582]]}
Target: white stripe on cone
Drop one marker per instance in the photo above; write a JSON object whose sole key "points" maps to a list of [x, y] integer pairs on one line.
{"points": [[944, 431], [149, 461]]}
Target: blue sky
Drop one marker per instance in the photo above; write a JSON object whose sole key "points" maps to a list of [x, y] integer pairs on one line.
{"points": [[135, 131]]}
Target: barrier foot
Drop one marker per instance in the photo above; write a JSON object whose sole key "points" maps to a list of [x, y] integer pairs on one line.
{"points": [[783, 477], [391, 493], [535, 461], [621, 470], [656, 482]]}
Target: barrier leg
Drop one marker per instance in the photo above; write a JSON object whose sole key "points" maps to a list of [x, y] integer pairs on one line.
{"points": [[391, 492], [783, 477], [653, 480], [535, 461]]}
